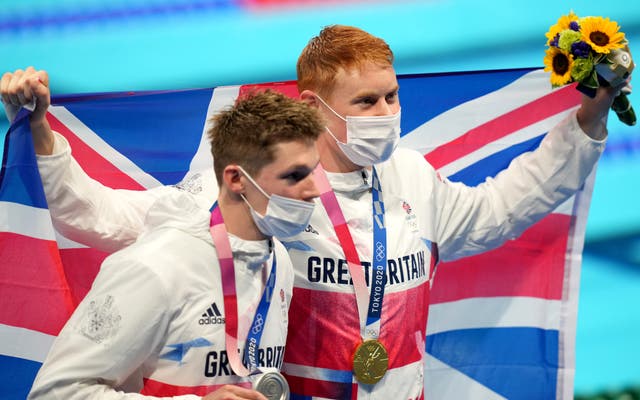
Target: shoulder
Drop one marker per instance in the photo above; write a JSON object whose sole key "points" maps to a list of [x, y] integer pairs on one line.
{"points": [[180, 212], [406, 158], [406, 165], [167, 255]]}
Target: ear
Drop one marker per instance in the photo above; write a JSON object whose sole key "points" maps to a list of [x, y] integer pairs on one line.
{"points": [[231, 178], [309, 97]]}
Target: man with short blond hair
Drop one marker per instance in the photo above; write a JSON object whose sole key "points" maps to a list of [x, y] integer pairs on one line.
{"points": [[190, 309]]}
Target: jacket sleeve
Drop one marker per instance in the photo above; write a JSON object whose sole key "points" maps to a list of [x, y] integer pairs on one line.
{"points": [[102, 350], [86, 211], [475, 219]]}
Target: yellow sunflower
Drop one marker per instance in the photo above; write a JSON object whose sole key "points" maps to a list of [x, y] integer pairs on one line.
{"points": [[563, 23], [601, 34], [559, 62]]}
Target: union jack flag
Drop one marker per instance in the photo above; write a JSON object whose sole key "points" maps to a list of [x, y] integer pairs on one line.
{"points": [[502, 324]]}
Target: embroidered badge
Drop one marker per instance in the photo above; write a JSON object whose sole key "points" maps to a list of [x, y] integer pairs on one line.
{"points": [[193, 184], [411, 218], [101, 321], [407, 207]]}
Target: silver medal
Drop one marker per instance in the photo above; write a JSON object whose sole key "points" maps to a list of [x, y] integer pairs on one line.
{"points": [[272, 385]]}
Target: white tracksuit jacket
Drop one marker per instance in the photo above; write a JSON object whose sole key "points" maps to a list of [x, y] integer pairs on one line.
{"points": [[427, 218], [154, 318]]}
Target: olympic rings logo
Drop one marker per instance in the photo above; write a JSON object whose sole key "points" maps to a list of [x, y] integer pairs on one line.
{"points": [[380, 249], [257, 324]]}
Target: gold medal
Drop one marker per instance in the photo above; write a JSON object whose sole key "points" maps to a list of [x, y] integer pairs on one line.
{"points": [[370, 362]]}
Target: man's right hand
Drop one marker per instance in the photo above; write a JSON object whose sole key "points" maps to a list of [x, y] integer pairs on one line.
{"points": [[20, 88]]}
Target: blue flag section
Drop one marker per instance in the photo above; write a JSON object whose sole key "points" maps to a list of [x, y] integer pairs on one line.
{"points": [[517, 363], [169, 119], [19, 177]]}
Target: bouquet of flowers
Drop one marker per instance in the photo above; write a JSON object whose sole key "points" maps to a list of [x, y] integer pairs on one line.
{"points": [[593, 52]]}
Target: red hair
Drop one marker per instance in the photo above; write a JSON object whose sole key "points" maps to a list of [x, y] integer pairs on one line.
{"points": [[335, 47]]}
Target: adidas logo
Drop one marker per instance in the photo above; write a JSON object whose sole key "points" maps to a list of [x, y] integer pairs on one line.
{"points": [[211, 316]]}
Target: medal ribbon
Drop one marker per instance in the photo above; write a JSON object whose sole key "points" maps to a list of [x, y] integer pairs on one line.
{"points": [[369, 329], [227, 273], [378, 259]]}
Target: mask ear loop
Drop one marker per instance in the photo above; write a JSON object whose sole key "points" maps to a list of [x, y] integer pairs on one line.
{"points": [[332, 110], [253, 182], [332, 135], [257, 187], [336, 114], [249, 205]]}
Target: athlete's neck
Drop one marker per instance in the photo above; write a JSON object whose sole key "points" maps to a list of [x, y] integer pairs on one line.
{"points": [[237, 217]]}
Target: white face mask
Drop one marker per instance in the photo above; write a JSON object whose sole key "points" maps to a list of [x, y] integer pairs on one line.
{"points": [[370, 139], [285, 217]]}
